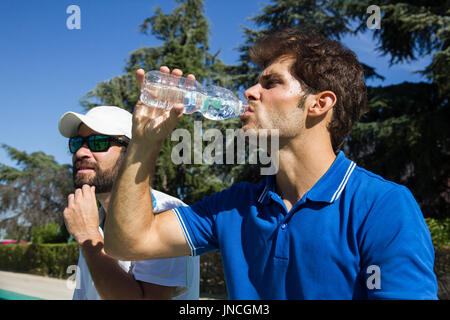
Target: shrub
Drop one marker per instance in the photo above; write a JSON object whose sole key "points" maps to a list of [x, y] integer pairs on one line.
{"points": [[42, 259], [49, 233], [212, 280], [440, 231]]}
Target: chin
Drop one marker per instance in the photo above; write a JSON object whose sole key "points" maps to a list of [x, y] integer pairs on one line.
{"points": [[247, 125], [82, 179]]}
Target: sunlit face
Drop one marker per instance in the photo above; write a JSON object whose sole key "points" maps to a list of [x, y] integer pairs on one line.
{"points": [[274, 101], [97, 169]]}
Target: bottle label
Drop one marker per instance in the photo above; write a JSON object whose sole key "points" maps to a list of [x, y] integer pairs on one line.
{"points": [[212, 103]]}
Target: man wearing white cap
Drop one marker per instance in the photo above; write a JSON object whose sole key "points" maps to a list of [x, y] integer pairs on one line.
{"points": [[98, 141]]}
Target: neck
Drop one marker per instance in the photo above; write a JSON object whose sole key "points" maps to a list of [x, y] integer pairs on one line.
{"points": [[104, 198], [302, 164]]}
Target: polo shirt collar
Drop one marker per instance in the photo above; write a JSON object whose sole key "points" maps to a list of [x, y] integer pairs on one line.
{"points": [[329, 187], [268, 189]]}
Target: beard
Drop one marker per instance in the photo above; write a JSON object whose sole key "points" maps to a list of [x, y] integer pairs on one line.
{"points": [[103, 180]]}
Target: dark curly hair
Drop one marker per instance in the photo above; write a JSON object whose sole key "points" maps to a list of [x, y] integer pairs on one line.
{"points": [[320, 64]]}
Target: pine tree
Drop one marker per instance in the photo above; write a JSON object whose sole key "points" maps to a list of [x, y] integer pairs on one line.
{"points": [[184, 36], [320, 17], [33, 193], [405, 135], [411, 29]]}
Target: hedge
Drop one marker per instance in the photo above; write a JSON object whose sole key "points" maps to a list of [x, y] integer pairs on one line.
{"points": [[442, 270], [42, 259], [53, 260]]}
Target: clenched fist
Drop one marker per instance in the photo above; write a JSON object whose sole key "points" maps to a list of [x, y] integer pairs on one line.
{"points": [[81, 215]]}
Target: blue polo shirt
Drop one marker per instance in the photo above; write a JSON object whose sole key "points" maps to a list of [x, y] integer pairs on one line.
{"points": [[353, 235]]}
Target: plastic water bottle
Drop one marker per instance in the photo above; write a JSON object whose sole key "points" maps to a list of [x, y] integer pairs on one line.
{"points": [[163, 90]]}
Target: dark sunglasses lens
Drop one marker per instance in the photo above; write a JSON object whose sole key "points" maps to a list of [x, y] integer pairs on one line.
{"points": [[98, 143], [75, 144]]}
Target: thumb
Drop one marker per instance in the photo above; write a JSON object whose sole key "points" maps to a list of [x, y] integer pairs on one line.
{"points": [[175, 114], [177, 111], [140, 78]]}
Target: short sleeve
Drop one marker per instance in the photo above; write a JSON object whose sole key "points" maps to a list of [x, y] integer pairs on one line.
{"points": [[397, 254], [208, 221], [197, 222], [170, 272]]}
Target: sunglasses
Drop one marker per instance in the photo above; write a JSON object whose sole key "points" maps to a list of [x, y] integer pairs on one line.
{"points": [[95, 142]]}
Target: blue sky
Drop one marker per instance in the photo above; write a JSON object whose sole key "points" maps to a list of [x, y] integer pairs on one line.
{"points": [[46, 68]]}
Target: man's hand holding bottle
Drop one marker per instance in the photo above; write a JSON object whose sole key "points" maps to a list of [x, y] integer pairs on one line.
{"points": [[151, 124]]}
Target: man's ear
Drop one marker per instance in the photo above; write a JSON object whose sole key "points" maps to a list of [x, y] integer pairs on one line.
{"points": [[322, 102]]}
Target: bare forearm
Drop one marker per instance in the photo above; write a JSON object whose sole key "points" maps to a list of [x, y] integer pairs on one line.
{"points": [[111, 281], [132, 231], [130, 213]]}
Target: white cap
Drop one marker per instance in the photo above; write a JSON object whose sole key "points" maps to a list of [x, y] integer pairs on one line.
{"points": [[108, 120]]}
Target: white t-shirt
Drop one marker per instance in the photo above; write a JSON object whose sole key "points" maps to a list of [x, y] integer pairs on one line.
{"points": [[180, 272]]}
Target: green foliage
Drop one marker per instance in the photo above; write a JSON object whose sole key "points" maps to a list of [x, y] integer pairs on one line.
{"points": [[405, 135], [323, 17], [411, 29], [440, 231], [49, 233], [327, 18], [440, 234], [405, 138], [184, 33], [54, 259], [18, 232], [42, 259], [35, 190]]}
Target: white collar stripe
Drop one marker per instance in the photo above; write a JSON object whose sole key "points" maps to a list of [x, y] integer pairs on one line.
{"points": [[343, 187], [263, 194], [343, 182]]}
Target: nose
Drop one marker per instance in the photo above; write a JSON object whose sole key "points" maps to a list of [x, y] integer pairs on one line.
{"points": [[253, 93], [83, 152]]}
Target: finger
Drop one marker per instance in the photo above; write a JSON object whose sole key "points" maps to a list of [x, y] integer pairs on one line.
{"points": [[78, 195], [164, 69], [89, 193], [93, 193], [140, 109], [175, 113], [86, 190], [177, 72], [65, 213], [140, 78], [169, 118], [70, 200], [191, 76]]}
